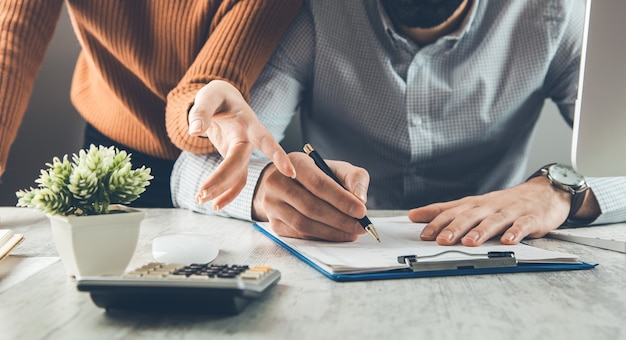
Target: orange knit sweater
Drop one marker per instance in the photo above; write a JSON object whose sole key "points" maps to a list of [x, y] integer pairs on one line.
{"points": [[141, 64]]}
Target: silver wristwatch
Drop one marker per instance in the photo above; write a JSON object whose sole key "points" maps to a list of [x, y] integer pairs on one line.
{"points": [[564, 177]]}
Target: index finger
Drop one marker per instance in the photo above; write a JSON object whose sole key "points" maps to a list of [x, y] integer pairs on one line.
{"points": [[261, 138], [324, 187]]}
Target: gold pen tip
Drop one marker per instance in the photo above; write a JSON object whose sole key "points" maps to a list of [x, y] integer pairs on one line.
{"points": [[372, 231], [308, 148]]}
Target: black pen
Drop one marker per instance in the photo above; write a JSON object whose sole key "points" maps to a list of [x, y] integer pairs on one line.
{"points": [[319, 161]]}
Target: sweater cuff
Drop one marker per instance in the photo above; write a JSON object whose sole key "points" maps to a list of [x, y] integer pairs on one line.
{"points": [[176, 118]]}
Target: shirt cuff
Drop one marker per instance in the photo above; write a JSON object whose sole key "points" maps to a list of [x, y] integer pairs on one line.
{"points": [[241, 207], [609, 192]]}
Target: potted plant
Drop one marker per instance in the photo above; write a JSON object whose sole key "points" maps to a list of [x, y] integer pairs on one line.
{"points": [[94, 233]]}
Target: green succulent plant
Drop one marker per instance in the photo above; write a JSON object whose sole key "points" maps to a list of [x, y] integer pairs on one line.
{"points": [[87, 184]]}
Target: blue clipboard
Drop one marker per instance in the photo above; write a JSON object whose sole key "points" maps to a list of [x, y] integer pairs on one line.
{"points": [[406, 273]]}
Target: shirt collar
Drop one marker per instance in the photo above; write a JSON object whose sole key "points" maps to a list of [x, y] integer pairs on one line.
{"points": [[455, 36]]}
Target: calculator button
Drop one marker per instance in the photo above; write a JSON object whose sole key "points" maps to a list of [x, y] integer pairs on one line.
{"points": [[251, 275], [132, 275], [198, 277]]}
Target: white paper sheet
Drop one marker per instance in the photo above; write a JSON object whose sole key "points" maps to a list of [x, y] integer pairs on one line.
{"points": [[399, 237]]}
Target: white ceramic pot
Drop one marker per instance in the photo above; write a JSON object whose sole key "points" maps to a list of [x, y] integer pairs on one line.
{"points": [[97, 244]]}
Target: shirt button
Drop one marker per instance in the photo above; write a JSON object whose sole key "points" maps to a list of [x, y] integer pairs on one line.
{"points": [[416, 121]]}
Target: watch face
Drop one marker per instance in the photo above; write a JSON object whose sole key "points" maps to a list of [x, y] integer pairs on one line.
{"points": [[566, 175]]}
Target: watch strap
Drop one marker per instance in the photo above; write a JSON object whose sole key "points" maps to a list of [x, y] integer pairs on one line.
{"points": [[578, 197]]}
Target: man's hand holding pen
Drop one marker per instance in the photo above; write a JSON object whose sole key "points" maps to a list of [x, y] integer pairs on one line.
{"points": [[313, 206], [319, 161]]}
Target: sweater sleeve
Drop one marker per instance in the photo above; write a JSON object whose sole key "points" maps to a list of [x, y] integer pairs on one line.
{"points": [[26, 29], [242, 39]]}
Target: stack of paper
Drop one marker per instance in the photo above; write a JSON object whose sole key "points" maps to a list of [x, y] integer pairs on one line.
{"points": [[8, 242]]}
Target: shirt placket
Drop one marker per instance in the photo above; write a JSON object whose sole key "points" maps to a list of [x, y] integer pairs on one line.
{"points": [[417, 97], [417, 103]]}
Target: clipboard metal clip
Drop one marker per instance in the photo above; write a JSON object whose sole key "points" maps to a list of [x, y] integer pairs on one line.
{"points": [[492, 259]]}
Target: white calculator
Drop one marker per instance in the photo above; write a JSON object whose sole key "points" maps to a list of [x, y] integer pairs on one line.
{"points": [[195, 288]]}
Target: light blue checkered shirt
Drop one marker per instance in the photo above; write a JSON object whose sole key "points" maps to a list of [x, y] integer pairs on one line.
{"points": [[430, 123]]}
